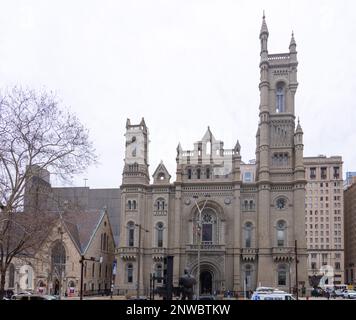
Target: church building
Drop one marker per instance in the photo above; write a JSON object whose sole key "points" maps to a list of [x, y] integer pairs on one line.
{"points": [[234, 225]]}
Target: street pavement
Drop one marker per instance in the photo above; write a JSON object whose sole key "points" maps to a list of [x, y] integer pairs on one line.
{"points": [[159, 298]]}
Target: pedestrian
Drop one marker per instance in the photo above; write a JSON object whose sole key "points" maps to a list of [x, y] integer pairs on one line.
{"points": [[328, 294]]}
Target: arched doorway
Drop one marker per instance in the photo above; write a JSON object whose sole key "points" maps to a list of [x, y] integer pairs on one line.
{"points": [[26, 278], [211, 279], [206, 282]]}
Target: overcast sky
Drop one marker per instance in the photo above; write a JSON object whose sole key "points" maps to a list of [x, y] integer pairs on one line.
{"points": [[182, 65]]}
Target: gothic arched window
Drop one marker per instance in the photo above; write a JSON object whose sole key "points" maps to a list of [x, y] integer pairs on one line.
{"points": [[130, 234], [208, 224], [58, 258], [159, 273], [198, 173], [248, 276], [282, 275], [246, 204], [280, 98], [248, 234], [160, 204], [129, 270], [281, 203], [281, 233], [189, 173], [134, 205], [129, 206], [208, 173], [159, 228]]}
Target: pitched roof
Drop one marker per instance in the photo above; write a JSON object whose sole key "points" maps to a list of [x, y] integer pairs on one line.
{"points": [[82, 225], [161, 168]]}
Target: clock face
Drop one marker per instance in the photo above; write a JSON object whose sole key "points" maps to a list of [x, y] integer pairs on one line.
{"points": [[134, 149], [281, 203]]}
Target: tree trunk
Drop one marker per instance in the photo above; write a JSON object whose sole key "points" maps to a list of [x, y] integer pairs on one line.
{"points": [[2, 283]]}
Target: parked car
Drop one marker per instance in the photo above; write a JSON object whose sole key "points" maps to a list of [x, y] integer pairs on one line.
{"points": [[275, 295], [33, 297], [138, 298], [207, 297], [23, 293], [350, 294], [340, 292]]}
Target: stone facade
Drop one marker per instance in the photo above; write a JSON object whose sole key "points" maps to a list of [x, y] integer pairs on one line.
{"points": [[324, 216], [58, 260], [242, 219], [350, 232]]}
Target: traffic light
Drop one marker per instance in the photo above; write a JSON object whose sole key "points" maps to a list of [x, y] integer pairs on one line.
{"points": [[168, 276], [164, 270]]}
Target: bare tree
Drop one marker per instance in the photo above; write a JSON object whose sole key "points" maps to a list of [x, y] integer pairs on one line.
{"points": [[35, 135]]}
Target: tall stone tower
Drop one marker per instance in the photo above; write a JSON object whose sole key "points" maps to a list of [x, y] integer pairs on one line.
{"points": [[136, 154], [280, 170], [134, 188]]}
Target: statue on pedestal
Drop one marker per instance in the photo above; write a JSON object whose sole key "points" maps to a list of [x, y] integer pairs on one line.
{"points": [[186, 283]]}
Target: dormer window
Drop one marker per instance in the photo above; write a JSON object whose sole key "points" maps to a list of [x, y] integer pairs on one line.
{"points": [[280, 98]]}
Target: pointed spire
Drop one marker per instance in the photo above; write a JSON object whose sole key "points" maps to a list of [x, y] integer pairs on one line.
{"points": [[299, 127], [210, 133], [179, 149], [293, 44], [237, 147], [264, 29], [128, 123], [208, 136]]}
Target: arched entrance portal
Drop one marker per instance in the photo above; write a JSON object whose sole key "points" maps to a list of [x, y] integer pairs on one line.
{"points": [[206, 282], [210, 279]]}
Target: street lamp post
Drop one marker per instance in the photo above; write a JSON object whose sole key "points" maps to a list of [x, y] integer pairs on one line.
{"points": [[199, 238], [60, 230], [290, 280], [296, 268], [82, 259], [139, 257]]}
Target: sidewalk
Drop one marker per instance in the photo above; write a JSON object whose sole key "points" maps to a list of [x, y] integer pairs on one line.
{"points": [[96, 298]]}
